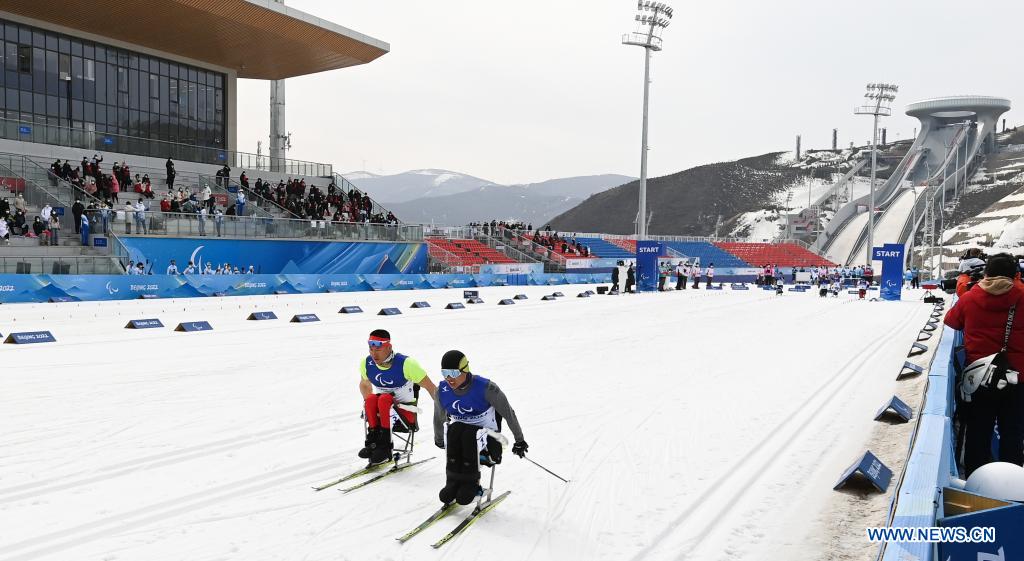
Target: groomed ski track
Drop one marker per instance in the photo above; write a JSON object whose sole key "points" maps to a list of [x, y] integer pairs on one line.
{"points": [[694, 425]]}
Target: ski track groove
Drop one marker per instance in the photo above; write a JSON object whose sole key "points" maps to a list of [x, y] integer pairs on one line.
{"points": [[36, 488], [64, 538], [655, 542]]}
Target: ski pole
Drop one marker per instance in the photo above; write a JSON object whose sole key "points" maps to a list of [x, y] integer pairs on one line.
{"points": [[545, 469]]}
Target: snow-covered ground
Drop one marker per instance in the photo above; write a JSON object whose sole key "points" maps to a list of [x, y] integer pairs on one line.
{"points": [[693, 425]]}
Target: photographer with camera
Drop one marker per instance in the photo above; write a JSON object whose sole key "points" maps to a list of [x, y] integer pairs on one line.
{"points": [[994, 345], [971, 270]]}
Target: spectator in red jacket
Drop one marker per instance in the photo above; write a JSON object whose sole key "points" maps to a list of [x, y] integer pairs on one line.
{"points": [[981, 313]]}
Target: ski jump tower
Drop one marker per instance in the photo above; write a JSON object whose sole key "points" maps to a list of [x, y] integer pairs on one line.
{"points": [[966, 121], [954, 131]]}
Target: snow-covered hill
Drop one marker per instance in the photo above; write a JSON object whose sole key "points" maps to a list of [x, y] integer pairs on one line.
{"points": [[451, 198], [414, 184]]}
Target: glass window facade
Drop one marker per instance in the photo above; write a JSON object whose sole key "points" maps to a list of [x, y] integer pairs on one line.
{"points": [[56, 80]]}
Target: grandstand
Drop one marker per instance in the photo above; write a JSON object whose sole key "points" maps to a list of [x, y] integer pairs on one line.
{"points": [[781, 254], [604, 248], [708, 253], [464, 253]]}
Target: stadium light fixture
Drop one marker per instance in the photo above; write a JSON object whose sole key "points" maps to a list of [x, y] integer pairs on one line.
{"points": [[652, 19], [878, 103]]}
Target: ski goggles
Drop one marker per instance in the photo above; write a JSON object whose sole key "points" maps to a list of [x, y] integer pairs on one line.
{"points": [[451, 372], [378, 343]]}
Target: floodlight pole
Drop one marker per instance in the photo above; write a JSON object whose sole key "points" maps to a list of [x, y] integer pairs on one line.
{"points": [[882, 94], [652, 17], [874, 172], [642, 223]]}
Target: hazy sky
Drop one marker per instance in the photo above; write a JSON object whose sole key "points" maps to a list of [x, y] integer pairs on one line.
{"points": [[524, 91]]}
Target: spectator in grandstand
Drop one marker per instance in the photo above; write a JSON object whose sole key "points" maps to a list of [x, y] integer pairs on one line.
{"points": [[681, 270], [191, 269], [243, 180], [129, 212], [172, 269], [45, 213], [218, 220], [170, 173], [76, 210], [140, 269], [165, 204], [84, 230], [20, 225], [106, 209], [140, 217], [201, 213], [208, 270], [38, 227], [207, 197], [982, 314], [19, 203], [5, 230], [710, 274], [54, 228], [240, 202]]}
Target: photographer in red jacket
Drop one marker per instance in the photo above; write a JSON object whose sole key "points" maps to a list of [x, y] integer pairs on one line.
{"points": [[981, 313]]}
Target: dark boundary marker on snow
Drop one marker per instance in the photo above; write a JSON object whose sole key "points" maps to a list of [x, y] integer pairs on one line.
{"points": [[917, 349], [525, 297], [924, 336], [909, 369], [470, 293], [506, 302], [389, 312], [739, 287], [455, 306], [474, 300], [62, 299], [713, 287], [194, 326], [350, 310], [420, 305], [218, 294], [29, 337], [868, 467], [304, 318], [261, 316], [583, 295], [558, 294], [280, 292], [895, 407], [549, 297], [155, 296], [144, 324]]}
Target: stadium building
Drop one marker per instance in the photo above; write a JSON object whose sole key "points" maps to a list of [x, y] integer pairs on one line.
{"points": [[165, 84]]}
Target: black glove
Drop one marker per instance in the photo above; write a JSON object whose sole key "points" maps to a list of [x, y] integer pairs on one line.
{"points": [[439, 444], [520, 448]]}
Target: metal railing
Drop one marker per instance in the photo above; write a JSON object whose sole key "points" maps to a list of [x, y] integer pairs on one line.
{"points": [[347, 185], [167, 224], [108, 142], [35, 195], [68, 265]]}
